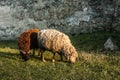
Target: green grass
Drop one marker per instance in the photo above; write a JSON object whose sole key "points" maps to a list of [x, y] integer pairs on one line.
{"points": [[91, 65]]}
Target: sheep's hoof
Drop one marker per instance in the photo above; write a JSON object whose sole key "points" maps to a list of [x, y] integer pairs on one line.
{"points": [[43, 60], [53, 60]]}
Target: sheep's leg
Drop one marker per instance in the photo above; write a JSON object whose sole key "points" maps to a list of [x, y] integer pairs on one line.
{"points": [[53, 58], [61, 57], [39, 52], [33, 52], [42, 56]]}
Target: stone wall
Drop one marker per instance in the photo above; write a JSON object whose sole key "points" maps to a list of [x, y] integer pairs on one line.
{"points": [[69, 16]]}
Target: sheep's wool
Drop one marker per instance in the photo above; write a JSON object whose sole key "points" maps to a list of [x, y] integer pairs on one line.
{"points": [[24, 41], [56, 41]]}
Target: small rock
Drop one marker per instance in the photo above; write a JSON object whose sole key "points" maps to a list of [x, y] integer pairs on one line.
{"points": [[110, 44]]}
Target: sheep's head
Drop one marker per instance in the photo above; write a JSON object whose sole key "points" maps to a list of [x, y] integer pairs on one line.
{"points": [[73, 58], [71, 54], [24, 55]]}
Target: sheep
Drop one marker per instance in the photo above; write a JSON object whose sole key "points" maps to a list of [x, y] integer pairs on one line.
{"points": [[27, 41], [57, 42]]}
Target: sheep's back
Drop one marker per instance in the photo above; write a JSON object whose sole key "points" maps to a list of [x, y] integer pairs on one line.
{"points": [[52, 39]]}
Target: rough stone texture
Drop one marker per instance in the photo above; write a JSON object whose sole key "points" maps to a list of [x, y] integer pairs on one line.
{"points": [[69, 16]]}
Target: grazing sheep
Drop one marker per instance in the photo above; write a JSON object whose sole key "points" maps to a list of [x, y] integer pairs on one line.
{"points": [[57, 42], [27, 41]]}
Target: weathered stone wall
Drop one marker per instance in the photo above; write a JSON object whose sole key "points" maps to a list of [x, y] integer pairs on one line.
{"points": [[69, 16]]}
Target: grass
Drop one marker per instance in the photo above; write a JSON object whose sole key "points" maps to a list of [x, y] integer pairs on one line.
{"points": [[91, 65]]}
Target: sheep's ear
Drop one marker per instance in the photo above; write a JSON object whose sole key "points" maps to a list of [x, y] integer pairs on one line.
{"points": [[23, 51]]}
